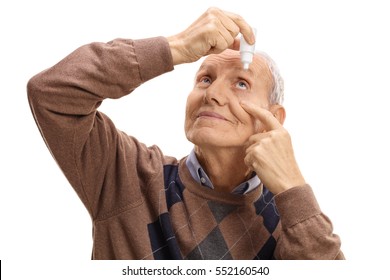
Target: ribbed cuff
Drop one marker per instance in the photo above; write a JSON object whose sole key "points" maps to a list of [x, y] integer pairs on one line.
{"points": [[296, 205]]}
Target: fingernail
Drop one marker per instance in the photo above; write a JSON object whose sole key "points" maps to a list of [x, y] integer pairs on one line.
{"points": [[253, 39]]}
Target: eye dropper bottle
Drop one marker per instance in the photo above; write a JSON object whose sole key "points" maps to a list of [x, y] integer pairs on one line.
{"points": [[247, 51]]}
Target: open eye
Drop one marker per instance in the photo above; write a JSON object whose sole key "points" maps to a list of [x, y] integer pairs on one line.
{"points": [[205, 80], [242, 85]]}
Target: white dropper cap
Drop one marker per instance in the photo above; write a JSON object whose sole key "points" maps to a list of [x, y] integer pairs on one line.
{"points": [[247, 51]]}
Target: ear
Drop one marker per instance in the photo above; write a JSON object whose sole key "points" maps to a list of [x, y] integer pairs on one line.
{"points": [[279, 112]]}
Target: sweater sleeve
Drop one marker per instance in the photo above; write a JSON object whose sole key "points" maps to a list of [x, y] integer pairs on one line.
{"points": [[98, 160], [306, 232]]}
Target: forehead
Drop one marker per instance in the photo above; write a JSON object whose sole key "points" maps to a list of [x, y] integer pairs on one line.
{"points": [[230, 61]]}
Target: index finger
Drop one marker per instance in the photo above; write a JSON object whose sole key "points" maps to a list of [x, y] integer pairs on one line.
{"points": [[263, 115], [245, 29]]}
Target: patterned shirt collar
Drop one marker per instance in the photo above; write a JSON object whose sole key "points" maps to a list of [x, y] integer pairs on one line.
{"points": [[201, 177]]}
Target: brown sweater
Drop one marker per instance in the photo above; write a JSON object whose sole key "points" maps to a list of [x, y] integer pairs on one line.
{"points": [[145, 205]]}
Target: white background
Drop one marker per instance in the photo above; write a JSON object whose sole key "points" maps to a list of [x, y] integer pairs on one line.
{"points": [[334, 56]]}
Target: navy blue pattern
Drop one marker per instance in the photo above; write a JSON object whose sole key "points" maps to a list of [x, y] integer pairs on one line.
{"points": [[173, 185], [266, 207], [267, 251], [162, 239]]}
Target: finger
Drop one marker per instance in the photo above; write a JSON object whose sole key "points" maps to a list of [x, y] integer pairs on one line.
{"points": [[229, 24], [255, 139], [245, 29], [263, 115], [234, 23], [226, 30], [224, 39], [236, 44], [248, 161], [251, 161]]}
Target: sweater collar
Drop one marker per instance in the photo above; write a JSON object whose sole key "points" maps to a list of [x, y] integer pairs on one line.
{"points": [[199, 175]]}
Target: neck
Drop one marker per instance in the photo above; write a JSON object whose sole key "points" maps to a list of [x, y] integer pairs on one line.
{"points": [[224, 166]]}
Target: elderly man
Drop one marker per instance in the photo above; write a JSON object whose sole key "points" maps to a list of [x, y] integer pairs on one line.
{"points": [[238, 195]]}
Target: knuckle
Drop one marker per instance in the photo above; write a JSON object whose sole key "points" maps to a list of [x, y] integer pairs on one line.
{"points": [[257, 150], [210, 26], [269, 117], [267, 141], [284, 133], [224, 45], [251, 139], [246, 160], [213, 10], [273, 134], [239, 18], [230, 41], [213, 24], [236, 29]]}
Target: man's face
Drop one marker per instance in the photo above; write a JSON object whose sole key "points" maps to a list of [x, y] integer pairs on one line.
{"points": [[214, 116]]}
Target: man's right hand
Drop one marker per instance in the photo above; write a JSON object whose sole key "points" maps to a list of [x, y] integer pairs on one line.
{"points": [[213, 32]]}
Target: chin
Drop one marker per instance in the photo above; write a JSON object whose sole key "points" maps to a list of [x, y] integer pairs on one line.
{"points": [[204, 138]]}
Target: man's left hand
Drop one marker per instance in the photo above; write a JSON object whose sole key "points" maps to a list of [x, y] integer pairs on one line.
{"points": [[270, 153]]}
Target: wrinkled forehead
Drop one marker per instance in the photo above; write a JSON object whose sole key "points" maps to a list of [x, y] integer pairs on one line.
{"points": [[230, 60], [226, 57]]}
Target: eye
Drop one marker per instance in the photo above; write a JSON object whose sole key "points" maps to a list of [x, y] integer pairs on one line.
{"points": [[242, 85], [205, 80]]}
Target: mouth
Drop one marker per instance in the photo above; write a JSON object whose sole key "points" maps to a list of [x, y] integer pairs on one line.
{"points": [[212, 115]]}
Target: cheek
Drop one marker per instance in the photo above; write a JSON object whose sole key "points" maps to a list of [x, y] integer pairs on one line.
{"points": [[192, 105], [187, 119], [261, 101], [242, 117], [247, 123], [195, 97]]}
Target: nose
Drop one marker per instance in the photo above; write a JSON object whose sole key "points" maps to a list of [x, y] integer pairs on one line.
{"points": [[216, 93]]}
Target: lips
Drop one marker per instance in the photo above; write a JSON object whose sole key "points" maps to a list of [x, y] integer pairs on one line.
{"points": [[208, 114]]}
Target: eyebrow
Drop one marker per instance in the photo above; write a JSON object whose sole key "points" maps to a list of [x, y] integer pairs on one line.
{"points": [[238, 69]]}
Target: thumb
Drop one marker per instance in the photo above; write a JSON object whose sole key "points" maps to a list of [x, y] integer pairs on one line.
{"points": [[236, 45]]}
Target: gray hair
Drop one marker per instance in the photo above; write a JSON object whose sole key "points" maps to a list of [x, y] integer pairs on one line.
{"points": [[276, 96]]}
